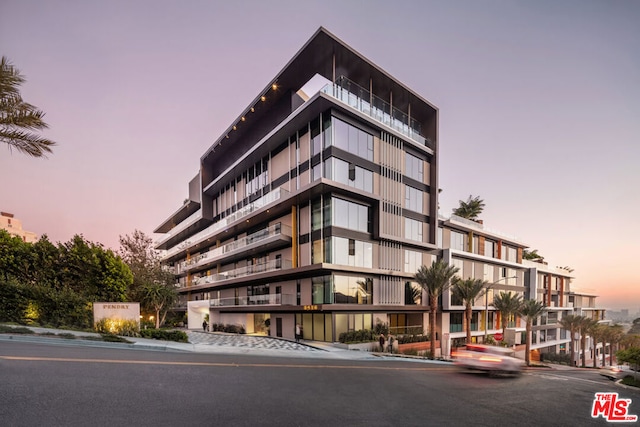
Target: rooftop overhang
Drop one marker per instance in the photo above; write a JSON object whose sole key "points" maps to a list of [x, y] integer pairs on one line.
{"points": [[184, 212], [330, 57]]}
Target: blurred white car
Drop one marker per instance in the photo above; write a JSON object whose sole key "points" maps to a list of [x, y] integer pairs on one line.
{"points": [[488, 358], [618, 372]]}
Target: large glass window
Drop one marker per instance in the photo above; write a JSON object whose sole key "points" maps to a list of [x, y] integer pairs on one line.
{"points": [[414, 167], [351, 252], [321, 290], [412, 261], [350, 138], [457, 240], [349, 174], [412, 229], [412, 199], [489, 248], [350, 215], [352, 290]]}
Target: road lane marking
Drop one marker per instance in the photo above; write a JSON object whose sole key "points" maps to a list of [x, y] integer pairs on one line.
{"points": [[562, 377], [214, 364]]}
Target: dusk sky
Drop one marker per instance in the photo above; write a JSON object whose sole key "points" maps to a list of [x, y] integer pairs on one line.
{"points": [[539, 110]]}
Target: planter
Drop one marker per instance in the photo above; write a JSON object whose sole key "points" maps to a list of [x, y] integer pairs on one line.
{"points": [[417, 346]]}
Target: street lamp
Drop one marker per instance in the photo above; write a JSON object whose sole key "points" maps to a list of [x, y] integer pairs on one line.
{"points": [[486, 304]]}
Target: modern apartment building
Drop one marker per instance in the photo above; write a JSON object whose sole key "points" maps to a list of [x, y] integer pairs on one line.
{"points": [[13, 226], [497, 258], [319, 203], [315, 206]]}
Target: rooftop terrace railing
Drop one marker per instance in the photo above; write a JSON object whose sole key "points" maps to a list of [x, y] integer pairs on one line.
{"points": [[362, 100]]}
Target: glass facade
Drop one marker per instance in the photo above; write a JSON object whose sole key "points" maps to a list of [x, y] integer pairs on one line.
{"points": [[412, 199], [340, 289]]}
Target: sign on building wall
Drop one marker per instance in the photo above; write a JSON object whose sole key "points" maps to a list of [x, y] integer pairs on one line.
{"points": [[116, 311]]}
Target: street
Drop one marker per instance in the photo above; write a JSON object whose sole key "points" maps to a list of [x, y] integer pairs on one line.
{"points": [[62, 385]]}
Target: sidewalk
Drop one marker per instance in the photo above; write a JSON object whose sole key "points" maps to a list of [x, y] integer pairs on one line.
{"points": [[200, 342]]}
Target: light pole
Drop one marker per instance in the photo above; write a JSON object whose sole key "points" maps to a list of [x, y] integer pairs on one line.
{"points": [[486, 304]]}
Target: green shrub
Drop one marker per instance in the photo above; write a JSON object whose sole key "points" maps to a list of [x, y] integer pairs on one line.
{"points": [[128, 328], [67, 335], [17, 330], [555, 358], [165, 335], [362, 335]]}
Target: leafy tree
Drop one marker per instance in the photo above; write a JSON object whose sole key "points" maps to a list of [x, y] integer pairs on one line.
{"points": [[530, 310], [152, 286], [630, 355], [571, 323], [435, 279], [468, 290], [508, 304], [471, 209], [615, 335], [17, 118], [159, 298]]}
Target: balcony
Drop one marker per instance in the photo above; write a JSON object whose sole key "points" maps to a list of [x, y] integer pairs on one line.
{"points": [[195, 217], [273, 265], [381, 111], [203, 235], [270, 299], [273, 235]]}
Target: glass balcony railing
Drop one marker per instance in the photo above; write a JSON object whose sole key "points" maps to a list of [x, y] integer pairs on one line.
{"points": [[357, 97], [273, 265], [267, 199], [270, 299], [237, 246], [180, 227]]}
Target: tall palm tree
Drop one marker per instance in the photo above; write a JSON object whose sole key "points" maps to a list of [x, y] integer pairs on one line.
{"points": [[597, 332], [530, 310], [435, 279], [586, 326], [507, 303], [18, 118], [468, 290], [616, 334], [571, 323], [471, 209]]}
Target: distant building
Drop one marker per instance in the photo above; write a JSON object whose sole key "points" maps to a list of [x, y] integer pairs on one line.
{"points": [[14, 226]]}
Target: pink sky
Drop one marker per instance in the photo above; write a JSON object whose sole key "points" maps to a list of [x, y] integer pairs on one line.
{"points": [[539, 105]]}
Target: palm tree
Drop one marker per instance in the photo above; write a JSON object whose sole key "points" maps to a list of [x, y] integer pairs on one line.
{"points": [[435, 280], [18, 118], [615, 337], [507, 304], [597, 332], [468, 290], [586, 326], [571, 323], [530, 310], [471, 209]]}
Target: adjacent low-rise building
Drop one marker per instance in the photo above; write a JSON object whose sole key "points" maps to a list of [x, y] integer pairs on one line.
{"points": [[13, 226]]}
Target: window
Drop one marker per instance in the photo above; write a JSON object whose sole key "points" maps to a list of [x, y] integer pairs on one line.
{"points": [[351, 252], [412, 229], [345, 214], [354, 176], [412, 199], [352, 290], [351, 139], [414, 167], [412, 261], [489, 248], [457, 240], [455, 322]]}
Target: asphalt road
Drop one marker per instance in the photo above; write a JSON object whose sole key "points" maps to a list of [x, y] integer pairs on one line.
{"points": [[56, 385]]}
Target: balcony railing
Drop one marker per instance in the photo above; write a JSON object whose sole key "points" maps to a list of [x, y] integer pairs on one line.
{"points": [[357, 97], [180, 227], [270, 299], [268, 198], [233, 247], [273, 265]]}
